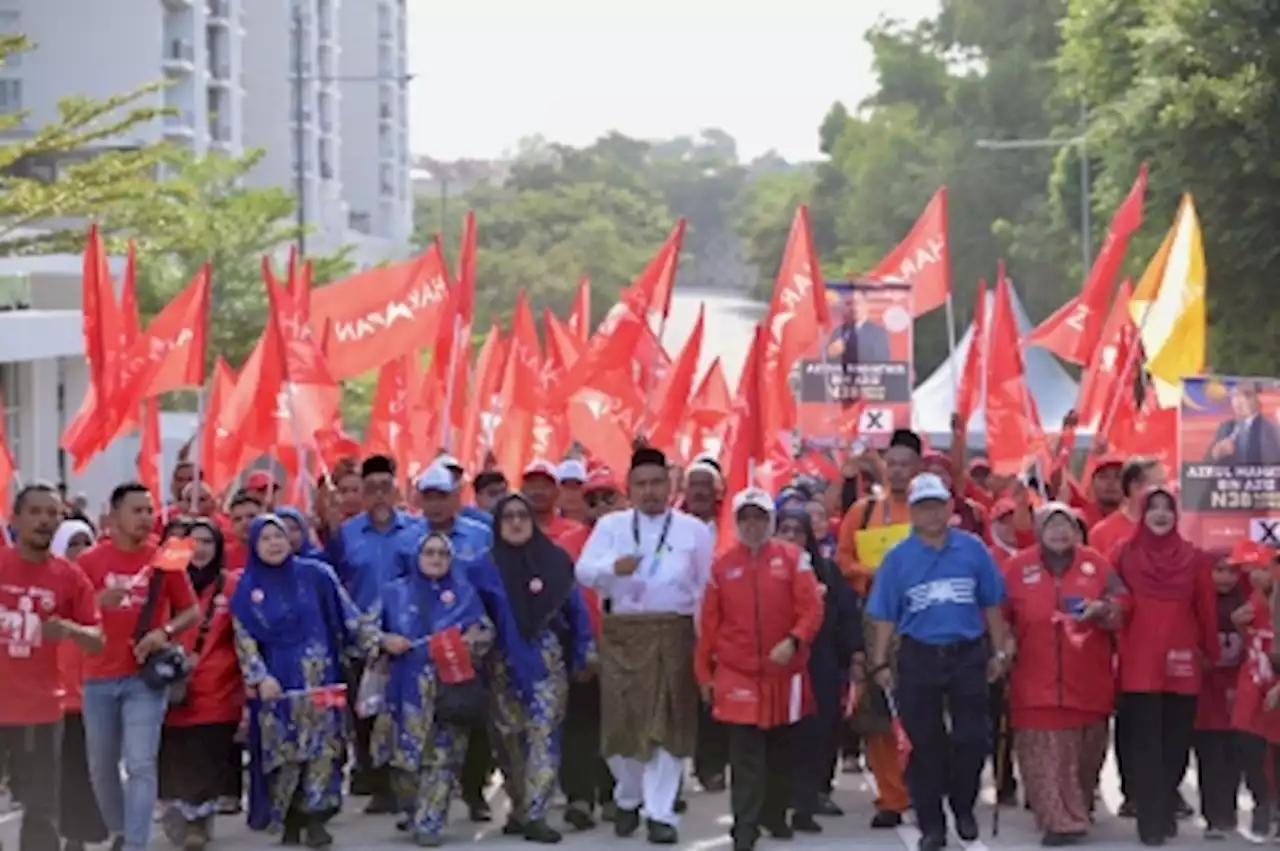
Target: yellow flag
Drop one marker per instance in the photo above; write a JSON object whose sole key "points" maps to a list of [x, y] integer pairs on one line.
{"points": [[1169, 306]]}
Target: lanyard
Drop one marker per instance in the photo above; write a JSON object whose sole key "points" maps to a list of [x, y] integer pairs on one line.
{"points": [[662, 536]]}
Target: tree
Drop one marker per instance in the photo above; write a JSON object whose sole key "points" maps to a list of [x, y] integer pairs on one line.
{"points": [[85, 181], [1193, 89], [762, 219]]}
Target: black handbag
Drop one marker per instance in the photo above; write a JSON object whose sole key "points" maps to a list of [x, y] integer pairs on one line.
{"points": [[166, 666], [464, 704], [178, 688]]}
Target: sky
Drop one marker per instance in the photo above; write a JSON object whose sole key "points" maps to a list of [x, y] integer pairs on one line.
{"points": [[490, 72]]}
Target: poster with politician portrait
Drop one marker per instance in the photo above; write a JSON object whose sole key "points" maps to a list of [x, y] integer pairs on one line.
{"points": [[1229, 451], [857, 380]]}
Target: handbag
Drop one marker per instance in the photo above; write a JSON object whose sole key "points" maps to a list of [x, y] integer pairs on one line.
{"points": [[464, 704], [168, 665], [178, 689]]}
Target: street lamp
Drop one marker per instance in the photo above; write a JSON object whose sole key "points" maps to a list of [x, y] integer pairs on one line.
{"points": [[299, 121], [1078, 142]]}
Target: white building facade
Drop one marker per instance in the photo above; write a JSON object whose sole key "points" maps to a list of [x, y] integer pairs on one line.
{"points": [[338, 137]]}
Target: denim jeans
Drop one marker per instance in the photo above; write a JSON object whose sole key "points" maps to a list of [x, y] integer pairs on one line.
{"points": [[122, 721]]}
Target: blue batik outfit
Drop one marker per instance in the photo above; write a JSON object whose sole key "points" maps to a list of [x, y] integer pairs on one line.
{"points": [[292, 622], [425, 754], [308, 549], [547, 638]]}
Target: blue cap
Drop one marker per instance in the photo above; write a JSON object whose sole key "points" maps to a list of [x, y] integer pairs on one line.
{"points": [[437, 478]]}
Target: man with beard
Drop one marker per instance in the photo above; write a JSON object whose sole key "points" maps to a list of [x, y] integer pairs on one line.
{"points": [[650, 565]]}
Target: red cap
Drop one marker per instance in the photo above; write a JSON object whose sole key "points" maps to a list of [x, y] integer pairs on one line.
{"points": [[260, 480], [542, 468], [600, 479], [1111, 459]]}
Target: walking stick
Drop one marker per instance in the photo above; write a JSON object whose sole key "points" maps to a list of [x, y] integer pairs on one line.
{"points": [[1002, 746]]}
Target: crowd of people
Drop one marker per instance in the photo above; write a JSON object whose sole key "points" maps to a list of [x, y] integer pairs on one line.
{"points": [[594, 633]]}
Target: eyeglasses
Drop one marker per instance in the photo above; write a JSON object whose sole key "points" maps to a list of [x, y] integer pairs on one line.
{"points": [[436, 552], [516, 517]]}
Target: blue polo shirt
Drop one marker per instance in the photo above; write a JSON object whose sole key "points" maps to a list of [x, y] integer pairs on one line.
{"points": [[477, 515], [366, 558], [936, 596], [471, 539]]}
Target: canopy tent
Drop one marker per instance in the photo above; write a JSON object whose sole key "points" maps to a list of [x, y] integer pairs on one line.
{"points": [[933, 400]]}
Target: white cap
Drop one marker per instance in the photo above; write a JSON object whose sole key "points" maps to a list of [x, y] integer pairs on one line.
{"points": [[927, 486], [571, 470], [753, 498], [436, 478], [448, 462], [542, 468]]}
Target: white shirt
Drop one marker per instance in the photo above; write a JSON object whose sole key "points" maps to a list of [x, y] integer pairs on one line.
{"points": [[669, 582]]}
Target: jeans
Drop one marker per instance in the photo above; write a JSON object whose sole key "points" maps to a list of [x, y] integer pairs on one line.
{"points": [[122, 721]]}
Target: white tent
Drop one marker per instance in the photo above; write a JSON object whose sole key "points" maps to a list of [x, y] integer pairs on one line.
{"points": [[933, 400]]}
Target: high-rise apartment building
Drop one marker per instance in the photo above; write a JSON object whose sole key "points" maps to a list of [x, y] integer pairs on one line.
{"points": [[319, 84]]}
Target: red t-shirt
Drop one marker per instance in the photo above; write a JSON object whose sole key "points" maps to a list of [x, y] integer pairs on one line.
{"points": [[215, 691], [31, 690], [107, 566]]}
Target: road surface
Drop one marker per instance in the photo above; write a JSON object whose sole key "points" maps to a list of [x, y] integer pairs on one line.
{"points": [[729, 329], [705, 827]]}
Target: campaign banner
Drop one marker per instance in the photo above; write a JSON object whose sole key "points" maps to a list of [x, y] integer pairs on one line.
{"points": [[1229, 469], [857, 380]]}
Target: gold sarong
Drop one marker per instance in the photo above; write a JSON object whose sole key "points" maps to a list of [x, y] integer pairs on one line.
{"points": [[648, 695]]}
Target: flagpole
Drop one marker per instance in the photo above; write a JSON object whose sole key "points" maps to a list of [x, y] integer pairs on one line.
{"points": [[951, 347], [446, 419], [197, 444], [155, 406]]}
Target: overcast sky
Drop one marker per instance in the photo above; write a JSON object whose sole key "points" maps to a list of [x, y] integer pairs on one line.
{"points": [[488, 72]]}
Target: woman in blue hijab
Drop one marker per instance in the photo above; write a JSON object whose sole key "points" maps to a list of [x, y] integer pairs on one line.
{"points": [[423, 733], [550, 639], [299, 531], [292, 623]]}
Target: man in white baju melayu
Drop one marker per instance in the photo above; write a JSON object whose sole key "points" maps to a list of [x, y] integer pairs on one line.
{"points": [[650, 565]]}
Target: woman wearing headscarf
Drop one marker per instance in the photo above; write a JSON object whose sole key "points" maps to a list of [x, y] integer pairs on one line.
{"points": [[293, 621], [1169, 637], [299, 530], [199, 731], [436, 633], [835, 653], [1063, 602], [551, 640], [81, 821]]}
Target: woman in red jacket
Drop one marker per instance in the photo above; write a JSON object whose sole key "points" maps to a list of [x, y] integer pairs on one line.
{"points": [[1255, 716], [200, 729], [1063, 600], [1168, 639], [760, 613]]}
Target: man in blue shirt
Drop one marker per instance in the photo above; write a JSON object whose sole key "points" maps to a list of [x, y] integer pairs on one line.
{"points": [[439, 500], [472, 512], [940, 592], [369, 551]]}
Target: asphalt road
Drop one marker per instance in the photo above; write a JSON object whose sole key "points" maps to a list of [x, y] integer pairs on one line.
{"points": [[705, 827], [729, 327]]}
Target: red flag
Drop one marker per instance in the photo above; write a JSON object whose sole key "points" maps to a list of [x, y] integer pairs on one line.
{"points": [[212, 431], [970, 389], [490, 364], [654, 287], [580, 315], [744, 444], [1075, 329], [922, 259], [1098, 384], [7, 466], [381, 314], [672, 398], [593, 422], [519, 400], [793, 325], [1013, 432], [390, 429], [150, 451]]}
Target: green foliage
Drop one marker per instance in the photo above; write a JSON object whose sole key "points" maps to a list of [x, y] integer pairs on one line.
{"points": [[600, 211], [89, 175], [1193, 89]]}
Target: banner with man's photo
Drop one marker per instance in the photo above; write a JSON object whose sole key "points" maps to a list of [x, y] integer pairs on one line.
{"points": [[858, 378], [1229, 451]]}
